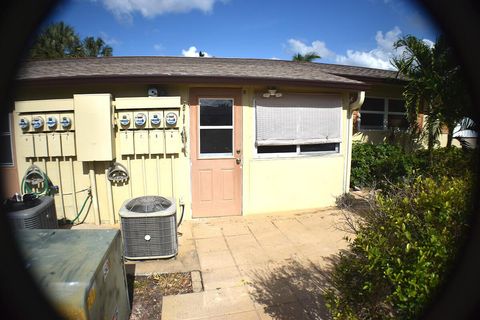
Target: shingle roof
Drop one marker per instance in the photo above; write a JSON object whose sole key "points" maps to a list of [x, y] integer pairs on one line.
{"points": [[199, 68]]}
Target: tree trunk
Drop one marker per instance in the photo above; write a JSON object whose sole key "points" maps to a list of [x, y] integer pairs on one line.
{"points": [[449, 138]]}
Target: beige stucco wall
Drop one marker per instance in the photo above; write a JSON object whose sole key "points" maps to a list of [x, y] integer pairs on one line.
{"points": [[269, 184], [294, 183]]}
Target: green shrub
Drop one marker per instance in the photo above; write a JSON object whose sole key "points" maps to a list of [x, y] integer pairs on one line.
{"points": [[402, 250], [378, 165], [382, 165]]}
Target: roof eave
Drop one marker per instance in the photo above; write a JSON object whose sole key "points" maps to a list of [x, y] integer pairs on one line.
{"points": [[66, 81]]}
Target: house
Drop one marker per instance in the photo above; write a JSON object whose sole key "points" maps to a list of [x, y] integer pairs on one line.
{"points": [[222, 136]]}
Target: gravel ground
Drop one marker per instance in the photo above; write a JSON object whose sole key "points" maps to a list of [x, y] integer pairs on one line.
{"points": [[146, 292]]}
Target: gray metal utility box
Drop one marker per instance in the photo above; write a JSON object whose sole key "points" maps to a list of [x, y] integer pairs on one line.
{"points": [[81, 271]]}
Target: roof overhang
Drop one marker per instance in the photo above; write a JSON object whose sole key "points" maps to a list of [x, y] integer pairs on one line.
{"points": [[151, 79]]}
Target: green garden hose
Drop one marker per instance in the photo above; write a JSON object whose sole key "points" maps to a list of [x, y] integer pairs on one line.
{"points": [[89, 196], [36, 179]]}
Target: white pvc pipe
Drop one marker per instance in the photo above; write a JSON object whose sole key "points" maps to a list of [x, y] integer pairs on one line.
{"points": [[74, 189], [93, 186], [172, 168], [157, 160], [60, 188], [108, 185], [144, 175], [130, 191]]}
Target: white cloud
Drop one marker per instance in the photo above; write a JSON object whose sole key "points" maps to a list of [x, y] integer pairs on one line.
{"points": [[429, 43], [192, 52], [124, 9], [378, 57], [108, 40], [158, 47], [319, 47]]}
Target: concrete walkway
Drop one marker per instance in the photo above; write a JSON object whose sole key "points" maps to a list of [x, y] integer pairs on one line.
{"points": [[260, 267]]}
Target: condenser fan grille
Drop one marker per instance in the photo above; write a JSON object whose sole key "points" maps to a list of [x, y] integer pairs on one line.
{"points": [[148, 204]]}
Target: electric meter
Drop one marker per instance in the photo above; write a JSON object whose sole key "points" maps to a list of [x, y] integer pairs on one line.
{"points": [[171, 118], [23, 123], [155, 119], [140, 119], [51, 122], [125, 120], [37, 122], [66, 122]]}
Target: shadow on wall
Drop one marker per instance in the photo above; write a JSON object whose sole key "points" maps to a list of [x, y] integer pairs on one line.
{"points": [[292, 291]]}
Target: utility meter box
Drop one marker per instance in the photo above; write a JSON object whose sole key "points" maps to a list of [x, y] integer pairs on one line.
{"points": [[68, 144], [80, 271], [65, 122], [171, 118], [93, 127], [126, 142], [41, 145], [52, 122], [26, 144], [125, 119], [140, 119], [155, 119], [38, 122]]}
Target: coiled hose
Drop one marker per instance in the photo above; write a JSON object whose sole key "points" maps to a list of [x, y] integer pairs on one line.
{"points": [[36, 182]]}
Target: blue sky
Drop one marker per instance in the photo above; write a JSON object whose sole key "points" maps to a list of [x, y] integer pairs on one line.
{"points": [[355, 32]]}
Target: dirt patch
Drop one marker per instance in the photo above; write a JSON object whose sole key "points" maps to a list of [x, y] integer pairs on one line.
{"points": [[146, 292]]}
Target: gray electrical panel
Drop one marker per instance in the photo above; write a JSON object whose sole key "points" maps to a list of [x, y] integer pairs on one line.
{"points": [[80, 271]]}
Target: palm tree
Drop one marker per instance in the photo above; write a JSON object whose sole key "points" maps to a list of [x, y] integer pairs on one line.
{"points": [[308, 57], [95, 47], [58, 40], [435, 87]]}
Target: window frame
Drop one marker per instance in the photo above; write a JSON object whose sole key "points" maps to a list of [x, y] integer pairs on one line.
{"points": [[10, 135], [385, 113], [232, 127]]}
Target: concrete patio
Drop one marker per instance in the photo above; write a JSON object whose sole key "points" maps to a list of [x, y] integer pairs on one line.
{"points": [[260, 267]]}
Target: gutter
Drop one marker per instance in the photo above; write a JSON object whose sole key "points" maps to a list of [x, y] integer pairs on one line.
{"points": [[353, 106]]}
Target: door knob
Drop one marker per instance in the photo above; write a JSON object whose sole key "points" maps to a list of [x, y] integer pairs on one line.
{"points": [[238, 160]]}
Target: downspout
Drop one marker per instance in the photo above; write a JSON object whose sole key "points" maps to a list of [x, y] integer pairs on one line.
{"points": [[353, 106]]}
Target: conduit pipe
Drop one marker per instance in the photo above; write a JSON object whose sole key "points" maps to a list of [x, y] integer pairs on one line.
{"points": [[144, 175], [130, 192], [93, 186], [172, 168], [353, 106], [108, 185], [60, 188], [74, 189]]}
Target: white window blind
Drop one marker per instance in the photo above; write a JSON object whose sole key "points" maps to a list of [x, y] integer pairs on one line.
{"points": [[298, 119]]}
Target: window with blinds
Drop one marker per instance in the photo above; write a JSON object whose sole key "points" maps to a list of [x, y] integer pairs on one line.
{"points": [[298, 123]]}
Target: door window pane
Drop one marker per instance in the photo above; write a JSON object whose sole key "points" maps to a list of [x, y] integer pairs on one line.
{"points": [[216, 112], [216, 141]]}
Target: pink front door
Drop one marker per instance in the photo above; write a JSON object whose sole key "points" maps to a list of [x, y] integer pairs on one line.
{"points": [[216, 151]]}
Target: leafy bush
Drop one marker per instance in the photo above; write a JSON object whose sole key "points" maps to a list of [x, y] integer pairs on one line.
{"points": [[382, 165], [376, 165], [402, 250]]}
